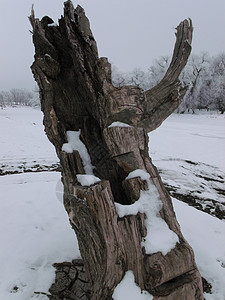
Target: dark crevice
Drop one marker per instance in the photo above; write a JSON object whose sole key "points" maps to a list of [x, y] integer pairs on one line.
{"points": [[105, 166], [191, 162], [221, 192], [121, 155], [209, 178]]}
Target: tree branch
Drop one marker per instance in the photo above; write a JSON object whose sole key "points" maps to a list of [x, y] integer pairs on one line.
{"points": [[166, 96]]}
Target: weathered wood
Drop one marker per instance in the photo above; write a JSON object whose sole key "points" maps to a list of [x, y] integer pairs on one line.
{"points": [[76, 93]]}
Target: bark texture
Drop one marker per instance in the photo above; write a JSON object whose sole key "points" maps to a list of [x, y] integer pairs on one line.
{"points": [[76, 93]]}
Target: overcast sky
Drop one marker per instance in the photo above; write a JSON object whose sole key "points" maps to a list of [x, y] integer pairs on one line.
{"points": [[131, 33]]}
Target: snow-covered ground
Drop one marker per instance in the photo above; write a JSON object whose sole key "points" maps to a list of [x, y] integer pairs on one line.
{"points": [[189, 151], [198, 138], [23, 137], [34, 228], [24, 145]]}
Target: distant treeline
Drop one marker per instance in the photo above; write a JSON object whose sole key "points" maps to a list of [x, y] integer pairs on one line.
{"points": [[21, 97], [204, 75]]}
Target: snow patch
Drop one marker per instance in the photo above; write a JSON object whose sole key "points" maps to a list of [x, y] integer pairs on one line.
{"points": [[128, 289], [74, 143], [138, 173], [87, 180], [52, 25], [159, 237], [119, 124]]}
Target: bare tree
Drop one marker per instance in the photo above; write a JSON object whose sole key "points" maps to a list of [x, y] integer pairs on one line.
{"points": [[119, 78], [20, 96], [157, 70], [193, 75], [214, 87], [113, 194], [2, 102], [6, 97]]}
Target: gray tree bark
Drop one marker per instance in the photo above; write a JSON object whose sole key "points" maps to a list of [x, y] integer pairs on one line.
{"points": [[76, 93]]}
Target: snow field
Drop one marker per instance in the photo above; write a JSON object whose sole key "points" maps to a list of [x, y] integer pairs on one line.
{"points": [[34, 233], [23, 137], [206, 235], [34, 227], [199, 138]]}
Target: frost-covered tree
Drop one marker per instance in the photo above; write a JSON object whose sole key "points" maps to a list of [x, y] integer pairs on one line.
{"points": [[143, 79], [119, 78], [213, 84], [193, 74], [20, 96], [6, 97], [2, 102], [157, 70], [35, 100]]}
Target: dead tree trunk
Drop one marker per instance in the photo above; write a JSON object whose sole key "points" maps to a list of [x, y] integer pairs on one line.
{"points": [[118, 218]]}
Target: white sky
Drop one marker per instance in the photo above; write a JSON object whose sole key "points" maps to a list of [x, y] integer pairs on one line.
{"points": [[131, 33]]}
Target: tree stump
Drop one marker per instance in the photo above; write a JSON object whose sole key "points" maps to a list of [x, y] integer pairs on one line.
{"points": [[118, 207]]}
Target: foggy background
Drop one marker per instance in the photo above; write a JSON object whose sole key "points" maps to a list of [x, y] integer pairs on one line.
{"points": [[130, 33]]}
